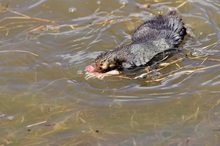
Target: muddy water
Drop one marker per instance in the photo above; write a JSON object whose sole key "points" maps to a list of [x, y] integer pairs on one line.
{"points": [[45, 100]]}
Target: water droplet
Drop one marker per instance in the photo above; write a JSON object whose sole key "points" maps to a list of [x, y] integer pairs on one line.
{"points": [[123, 2], [79, 72], [98, 2], [72, 10]]}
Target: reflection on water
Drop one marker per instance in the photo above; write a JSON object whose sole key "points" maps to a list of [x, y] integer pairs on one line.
{"points": [[45, 100]]}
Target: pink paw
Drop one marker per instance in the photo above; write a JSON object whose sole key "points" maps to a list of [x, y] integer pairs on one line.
{"points": [[100, 75]]}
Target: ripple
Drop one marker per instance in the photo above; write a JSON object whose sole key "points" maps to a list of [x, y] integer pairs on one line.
{"points": [[39, 2]]}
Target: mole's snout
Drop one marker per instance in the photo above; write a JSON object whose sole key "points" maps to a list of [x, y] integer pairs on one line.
{"points": [[90, 68]]}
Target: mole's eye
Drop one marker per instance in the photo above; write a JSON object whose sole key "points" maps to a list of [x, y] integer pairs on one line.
{"points": [[112, 65]]}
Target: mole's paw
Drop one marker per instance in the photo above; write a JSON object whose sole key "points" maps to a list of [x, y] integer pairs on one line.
{"points": [[101, 75], [94, 75]]}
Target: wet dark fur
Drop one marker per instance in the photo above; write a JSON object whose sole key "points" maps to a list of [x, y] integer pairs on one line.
{"points": [[153, 41]]}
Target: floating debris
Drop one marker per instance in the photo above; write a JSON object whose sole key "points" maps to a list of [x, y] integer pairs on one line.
{"points": [[144, 6], [199, 53], [35, 124]]}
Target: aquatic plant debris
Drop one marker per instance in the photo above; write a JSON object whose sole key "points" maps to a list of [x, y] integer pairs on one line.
{"points": [[36, 124]]}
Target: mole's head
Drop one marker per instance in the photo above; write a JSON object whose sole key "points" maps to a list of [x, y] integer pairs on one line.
{"points": [[103, 63]]}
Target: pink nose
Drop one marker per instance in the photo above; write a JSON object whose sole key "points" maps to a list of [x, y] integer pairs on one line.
{"points": [[90, 68]]}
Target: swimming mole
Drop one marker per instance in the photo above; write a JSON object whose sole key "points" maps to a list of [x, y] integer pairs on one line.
{"points": [[153, 42]]}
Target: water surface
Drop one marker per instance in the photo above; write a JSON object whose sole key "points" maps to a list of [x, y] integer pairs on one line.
{"points": [[45, 100]]}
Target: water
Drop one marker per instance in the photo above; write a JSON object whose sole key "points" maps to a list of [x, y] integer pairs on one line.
{"points": [[45, 100]]}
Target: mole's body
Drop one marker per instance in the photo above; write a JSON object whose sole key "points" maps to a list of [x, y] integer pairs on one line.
{"points": [[152, 42]]}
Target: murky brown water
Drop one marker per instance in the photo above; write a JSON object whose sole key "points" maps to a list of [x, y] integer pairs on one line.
{"points": [[45, 99]]}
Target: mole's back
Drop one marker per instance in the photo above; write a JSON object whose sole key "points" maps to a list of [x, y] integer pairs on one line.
{"points": [[169, 27]]}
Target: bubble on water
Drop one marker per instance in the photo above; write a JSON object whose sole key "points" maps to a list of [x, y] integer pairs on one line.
{"points": [[98, 2], [123, 2], [72, 10]]}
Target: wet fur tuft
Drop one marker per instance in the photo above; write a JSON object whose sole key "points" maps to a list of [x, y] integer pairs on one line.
{"points": [[169, 27]]}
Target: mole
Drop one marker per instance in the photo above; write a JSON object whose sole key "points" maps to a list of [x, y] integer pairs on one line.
{"points": [[153, 42]]}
